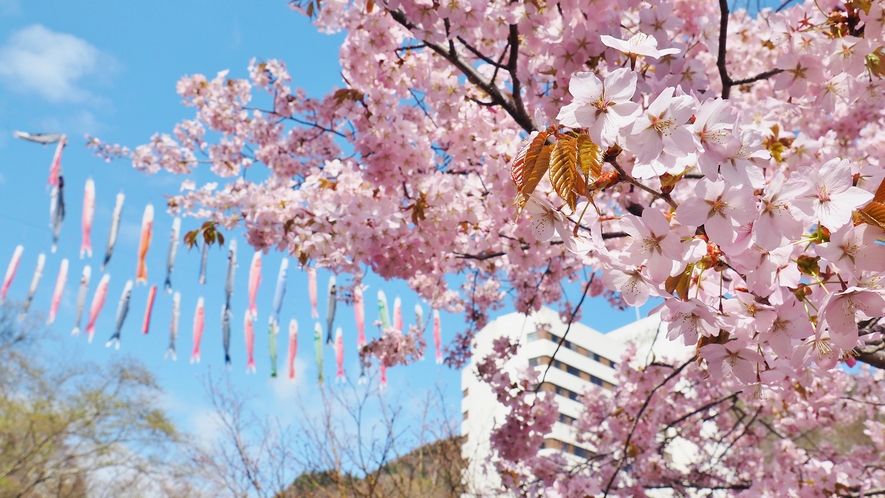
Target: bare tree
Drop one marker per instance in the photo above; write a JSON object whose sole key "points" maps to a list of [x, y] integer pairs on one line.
{"points": [[356, 444]]}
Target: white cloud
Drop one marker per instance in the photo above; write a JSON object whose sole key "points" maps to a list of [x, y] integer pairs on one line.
{"points": [[38, 60]]}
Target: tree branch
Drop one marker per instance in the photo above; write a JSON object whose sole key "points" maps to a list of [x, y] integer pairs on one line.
{"points": [[479, 54], [632, 181], [568, 327], [727, 82], [761, 76], [720, 58], [876, 359], [638, 417], [513, 105], [709, 405]]}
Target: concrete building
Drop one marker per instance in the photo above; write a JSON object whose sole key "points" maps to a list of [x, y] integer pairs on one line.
{"points": [[586, 360]]}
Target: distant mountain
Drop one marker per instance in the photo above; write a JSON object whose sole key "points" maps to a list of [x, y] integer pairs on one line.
{"points": [[430, 471]]}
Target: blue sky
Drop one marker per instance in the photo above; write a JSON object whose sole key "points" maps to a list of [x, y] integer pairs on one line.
{"points": [[110, 70]]}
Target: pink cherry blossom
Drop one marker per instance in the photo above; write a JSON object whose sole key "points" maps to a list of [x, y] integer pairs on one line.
{"points": [[853, 250], [639, 44], [690, 320], [841, 310], [661, 129], [778, 221], [721, 209], [732, 357], [654, 244], [798, 72], [602, 107], [831, 196]]}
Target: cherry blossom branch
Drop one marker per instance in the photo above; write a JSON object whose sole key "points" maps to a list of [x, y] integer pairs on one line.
{"points": [[514, 78], [727, 82], [732, 396], [761, 76], [869, 492], [481, 256], [513, 105], [702, 488], [632, 181], [783, 5], [567, 329], [676, 371], [482, 56], [876, 359]]}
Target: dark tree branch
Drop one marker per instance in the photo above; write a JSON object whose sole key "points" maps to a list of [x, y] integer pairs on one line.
{"points": [[511, 104], [761, 76], [567, 329], [632, 181], [481, 256], [720, 58], [638, 417], [876, 359], [479, 54], [732, 396], [783, 5], [727, 82], [514, 78]]}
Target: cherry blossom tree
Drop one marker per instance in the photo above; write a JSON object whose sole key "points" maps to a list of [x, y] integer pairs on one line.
{"points": [[723, 163], [670, 429]]}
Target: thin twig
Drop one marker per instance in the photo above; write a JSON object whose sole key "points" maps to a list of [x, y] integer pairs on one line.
{"points": [[638, 417], [567, 329], [632, 181]]}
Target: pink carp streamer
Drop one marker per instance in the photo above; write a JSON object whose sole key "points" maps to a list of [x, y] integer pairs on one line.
{"points": [[293, 347], [199, 324], [397, 314], [147, 224], [101, 293], [339, 355], [10, 271], [383, 383], [147, 311], [312, 291], [254, 282], [59, 290], [359, 312], [88, 216], [249, 332], [55, 167], [437, 336]]}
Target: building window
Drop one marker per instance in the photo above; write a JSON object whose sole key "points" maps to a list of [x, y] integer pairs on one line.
{"points": [[464, 395], [465, 415], [533, 362], [565, 419], [574, 347], [531, 337], [567, 448]]}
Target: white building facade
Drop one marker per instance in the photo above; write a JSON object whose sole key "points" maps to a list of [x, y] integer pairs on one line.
{"points": [[586, 360]]}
